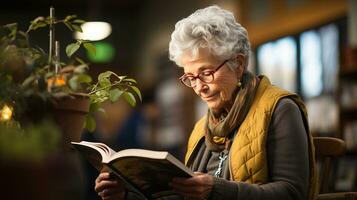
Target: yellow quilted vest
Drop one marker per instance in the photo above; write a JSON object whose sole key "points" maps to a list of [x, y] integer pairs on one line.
{"points": [[249, 145]]}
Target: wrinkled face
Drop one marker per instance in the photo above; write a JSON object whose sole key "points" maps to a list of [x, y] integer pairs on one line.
{"points": [[218, 93]]}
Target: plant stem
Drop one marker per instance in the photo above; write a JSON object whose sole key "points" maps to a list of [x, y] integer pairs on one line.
{"points": [[52, 37], [103, 88], [57, 57]]}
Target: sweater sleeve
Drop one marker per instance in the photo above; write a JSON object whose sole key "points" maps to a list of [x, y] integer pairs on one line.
{"points": [[288, 162]]}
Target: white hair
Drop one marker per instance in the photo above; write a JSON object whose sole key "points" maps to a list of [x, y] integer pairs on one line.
{"points": [[213, 28]]}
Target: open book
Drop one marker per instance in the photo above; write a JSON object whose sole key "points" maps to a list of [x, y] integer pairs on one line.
{"points": [[145, 172]]}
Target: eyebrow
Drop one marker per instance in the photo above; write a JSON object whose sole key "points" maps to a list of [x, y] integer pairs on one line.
{"points": [[201, 69]]}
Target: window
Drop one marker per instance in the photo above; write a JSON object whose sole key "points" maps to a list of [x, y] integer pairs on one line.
{"points": [[307, 63], [311, 64], [277, 60]]}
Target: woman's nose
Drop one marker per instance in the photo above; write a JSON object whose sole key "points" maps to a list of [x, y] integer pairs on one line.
{"points": [[200, 86]]}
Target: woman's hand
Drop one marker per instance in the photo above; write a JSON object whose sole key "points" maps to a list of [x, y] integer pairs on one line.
{"points": [[109, 188], [198, 187]]}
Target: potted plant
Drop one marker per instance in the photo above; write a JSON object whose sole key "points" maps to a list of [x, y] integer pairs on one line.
{"points": [[43, 99], [36, 85]]}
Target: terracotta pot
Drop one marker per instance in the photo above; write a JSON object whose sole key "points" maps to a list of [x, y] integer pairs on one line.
{"points": [[69, 114]]}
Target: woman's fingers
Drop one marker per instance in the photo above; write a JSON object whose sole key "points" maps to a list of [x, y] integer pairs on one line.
{"points": [[102, 176], [104, 184], [182, 189], [197, 187], [109, 188], [199, 179], [110, 192]]}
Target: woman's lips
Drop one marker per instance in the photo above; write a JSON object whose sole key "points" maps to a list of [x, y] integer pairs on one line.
{"points": [[209, 97]]}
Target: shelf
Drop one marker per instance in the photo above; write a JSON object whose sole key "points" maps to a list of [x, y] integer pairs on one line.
{"points": [[331, 133], [348, 112], [349, 74], [351, 153]]}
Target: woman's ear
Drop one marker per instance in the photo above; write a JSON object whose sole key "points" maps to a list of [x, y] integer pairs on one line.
{"points": [[240, 60], [240, 66]]}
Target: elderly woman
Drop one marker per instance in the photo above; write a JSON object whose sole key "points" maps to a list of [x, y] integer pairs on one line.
{"points": [[254, 141]]}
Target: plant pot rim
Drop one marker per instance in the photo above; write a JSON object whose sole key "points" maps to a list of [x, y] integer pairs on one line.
{"points": [[71, 95], [76, 102]]}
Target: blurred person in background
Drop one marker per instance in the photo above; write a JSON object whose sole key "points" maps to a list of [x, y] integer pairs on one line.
{"points": [[254, 142]]}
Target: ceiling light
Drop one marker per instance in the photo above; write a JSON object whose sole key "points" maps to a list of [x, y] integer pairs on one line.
{"points": [[94, 31]]}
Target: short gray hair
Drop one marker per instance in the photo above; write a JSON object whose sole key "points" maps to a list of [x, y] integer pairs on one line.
{"points": [[213, 28]]}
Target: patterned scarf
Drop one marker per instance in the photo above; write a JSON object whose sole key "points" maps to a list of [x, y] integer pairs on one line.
{"points": [[218, 130]]}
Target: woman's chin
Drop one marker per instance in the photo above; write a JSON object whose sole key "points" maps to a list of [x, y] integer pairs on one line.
{"points": [[213, 106]]}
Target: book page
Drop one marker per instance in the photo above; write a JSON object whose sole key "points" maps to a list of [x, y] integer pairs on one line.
{"points": [[144, 171], [139, 153], [150, 173], [95, 153]]}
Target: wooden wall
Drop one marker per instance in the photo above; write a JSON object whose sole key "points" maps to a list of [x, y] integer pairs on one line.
{"points": [[284, 17]]}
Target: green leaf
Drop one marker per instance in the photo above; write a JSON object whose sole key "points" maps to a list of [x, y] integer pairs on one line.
{"points": [[77, 28], [100, 96], [84, 78], [12, 28], [73, 83], [49, 20], [137, 91], [70, 17], [90, 48], [90, 123], [130, 98], [80, 61], [22, 39], [102, 99], [69, 26], [79, 21], [104, 93], [41, 24], [104, 75], [76, 80], [115, 94], [104, 78], [101, 110], [130, 80], [36, 21], [28, 81], [104, 83], [72, 48], [8, 32], [81, 68], [121, 77], [94, 107]]}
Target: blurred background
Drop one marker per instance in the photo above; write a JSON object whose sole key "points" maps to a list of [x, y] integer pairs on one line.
{"points": [[305, 46]]}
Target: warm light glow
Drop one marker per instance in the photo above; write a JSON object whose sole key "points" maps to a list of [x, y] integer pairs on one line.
{"points": [[94, 31], [6, 113], [56, 81]]}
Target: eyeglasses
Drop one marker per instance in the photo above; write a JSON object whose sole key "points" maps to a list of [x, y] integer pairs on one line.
{"points": [[206, 76]]}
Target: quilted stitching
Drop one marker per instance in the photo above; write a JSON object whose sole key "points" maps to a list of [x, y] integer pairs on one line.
{"points": [[252, 167]]}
